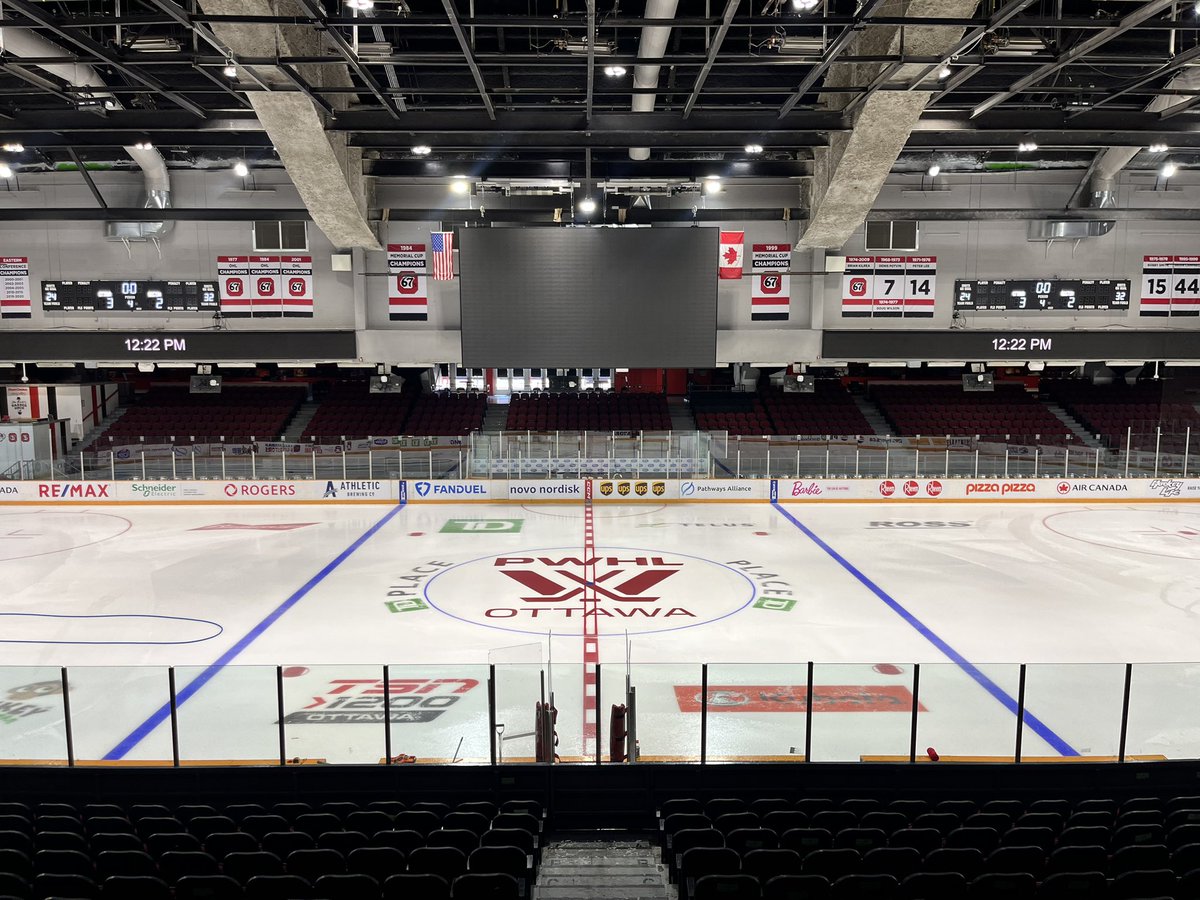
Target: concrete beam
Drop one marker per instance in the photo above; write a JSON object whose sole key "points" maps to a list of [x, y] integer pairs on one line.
{"points": [[849, 173], [326, 171]]}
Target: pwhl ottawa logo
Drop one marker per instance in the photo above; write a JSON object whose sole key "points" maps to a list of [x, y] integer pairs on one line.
{"points": [[637, 590]]}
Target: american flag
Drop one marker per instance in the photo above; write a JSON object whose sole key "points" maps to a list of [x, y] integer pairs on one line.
{"points": [[441, 245]]}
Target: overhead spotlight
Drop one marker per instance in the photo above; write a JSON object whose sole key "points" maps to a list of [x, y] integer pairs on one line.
{"points": [[587, 206], [1197, 7], [240, 169], [230, 70], [805, 5], [1026, 147], [422, 150], [712, 185], [933, 171], [1168, 170], [5, 171], [1157, 148], [143, 145], [614, 71], [944, 72], [14, 148], [460, 185], [754, 148], [361, 4]]}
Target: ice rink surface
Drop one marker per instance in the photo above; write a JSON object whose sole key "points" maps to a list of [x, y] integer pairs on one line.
{"points": [[439, 592]]}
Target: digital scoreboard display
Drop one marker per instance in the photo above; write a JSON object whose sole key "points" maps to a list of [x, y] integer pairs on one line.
{"points": [[129, 296], [1065, 295]]}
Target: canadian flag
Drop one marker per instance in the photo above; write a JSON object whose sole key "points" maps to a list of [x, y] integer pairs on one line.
{"points": [[730, 260]]}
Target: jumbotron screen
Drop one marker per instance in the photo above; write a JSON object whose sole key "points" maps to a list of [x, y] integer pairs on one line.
{"points": [[567, 297]]}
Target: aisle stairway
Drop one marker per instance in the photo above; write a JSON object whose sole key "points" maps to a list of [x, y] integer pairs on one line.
{"points": [[300, 420], [495, 418], [1071, 422], [872, 414], [602, 869], [681, 414]]}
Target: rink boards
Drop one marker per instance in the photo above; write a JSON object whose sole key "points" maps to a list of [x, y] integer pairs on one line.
{"points": [[631, 490]]}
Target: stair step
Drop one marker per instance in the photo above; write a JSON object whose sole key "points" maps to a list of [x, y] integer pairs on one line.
{"points": [[610, 871], [600, 892]]}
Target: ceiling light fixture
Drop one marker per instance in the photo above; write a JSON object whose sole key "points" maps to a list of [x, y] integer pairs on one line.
{"points": [[142, 145], [240, 169], [754, 148], [230, 70], [460, 185], [712, 185], [422, 150], [614, 71], [1157, 148], [1026, 147], [5, 171], [1168, 170], [805, 5], [587, 206], [14, 148], [361, 4], [933, 171], [944, 72]]}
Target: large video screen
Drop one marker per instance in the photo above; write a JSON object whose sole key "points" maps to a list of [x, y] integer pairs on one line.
{"points": [[566, 297]]}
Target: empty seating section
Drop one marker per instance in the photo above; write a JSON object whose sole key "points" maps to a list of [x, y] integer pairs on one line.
{"points": [[446, 413], [830, 409], [588, 411], [945, 409], [237, 412], [733, 411], [286, 850], [1111, 410], [918, 850], [350, 411]]}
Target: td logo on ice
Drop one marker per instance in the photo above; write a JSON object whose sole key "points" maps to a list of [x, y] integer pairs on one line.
{"points": [[636, 590]]}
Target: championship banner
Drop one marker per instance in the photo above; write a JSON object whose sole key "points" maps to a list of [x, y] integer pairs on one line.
{"points": [[770, 257], [265, 296], [889, 286], [297, 281], [769, 299], [408, 296], [1170, 286], [233, 273], [730, 258], [15, 302]]}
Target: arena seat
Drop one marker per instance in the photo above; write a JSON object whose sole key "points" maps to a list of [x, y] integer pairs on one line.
{"points": [[1111, 410], [239, 412], [945, 409], [588, 411]]}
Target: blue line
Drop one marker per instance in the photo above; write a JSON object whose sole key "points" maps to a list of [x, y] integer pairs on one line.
{"points": [[160, 715], [1036, 725]]}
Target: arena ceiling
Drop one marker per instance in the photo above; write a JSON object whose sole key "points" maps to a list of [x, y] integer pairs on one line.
{"points": [[842, 93]]}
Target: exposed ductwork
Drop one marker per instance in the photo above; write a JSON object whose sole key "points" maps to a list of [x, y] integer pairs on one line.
{"points": [[24, 43], [651, 45], [1100, 191]]}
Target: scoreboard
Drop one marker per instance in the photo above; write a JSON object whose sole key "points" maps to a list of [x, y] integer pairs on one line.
{"points": [[129, 296], [1042, 294]]}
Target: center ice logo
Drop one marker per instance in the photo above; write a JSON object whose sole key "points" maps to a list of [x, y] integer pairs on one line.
{"points": [[642, 591]]}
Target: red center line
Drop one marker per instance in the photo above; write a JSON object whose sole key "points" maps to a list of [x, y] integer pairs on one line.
{"points": [[591, 642]]}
